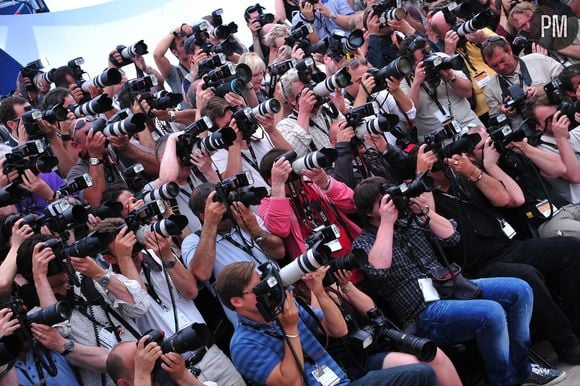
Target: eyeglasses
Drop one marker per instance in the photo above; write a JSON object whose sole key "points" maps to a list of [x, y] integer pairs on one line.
{"points": [[80, 123], [492, 39]]}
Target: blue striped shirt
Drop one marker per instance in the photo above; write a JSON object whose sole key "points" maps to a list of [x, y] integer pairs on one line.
{"points": [[256, 353]]}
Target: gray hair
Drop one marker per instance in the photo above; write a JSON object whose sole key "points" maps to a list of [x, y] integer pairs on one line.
{"points": [[286, 81], [279, 30]]}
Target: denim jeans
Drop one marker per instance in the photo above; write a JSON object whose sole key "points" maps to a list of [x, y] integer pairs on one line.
{"points": [[499, 321], [416, 374]]}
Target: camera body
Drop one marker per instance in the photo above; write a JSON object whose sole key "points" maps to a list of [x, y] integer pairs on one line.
{"points": [[433, 63], [401, 194], [322, 158], [228, 78], [340, 44], [517, 97], [33, 155]]}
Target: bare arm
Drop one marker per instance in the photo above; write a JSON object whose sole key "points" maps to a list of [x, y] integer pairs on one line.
{"points": [[159, 55], [381, 254], [550, 164]]}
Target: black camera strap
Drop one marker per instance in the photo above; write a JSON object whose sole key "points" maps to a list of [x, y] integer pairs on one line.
{"points": [[432, 93], [524, 77], [243, 247], [310, 212], [254, 161], [150, 288]]}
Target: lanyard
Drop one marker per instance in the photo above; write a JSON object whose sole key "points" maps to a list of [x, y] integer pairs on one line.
{"points": [[254, 161], [243, 247], [306, 209]]}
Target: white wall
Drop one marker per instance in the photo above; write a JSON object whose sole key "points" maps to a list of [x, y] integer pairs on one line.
{"points": [[92, 32]]}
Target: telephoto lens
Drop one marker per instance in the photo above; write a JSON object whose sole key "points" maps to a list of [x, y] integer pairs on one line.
{"points": [[221, 139], [109, 77], [339, 80], [395, 14], [322, 158], [479, 21], [139, 48], [379, 125], [88, 246], [191, 338], [95, 106], [51, 315], [269, 107], [309, 261], [132, 124], [168, 227], [166, 191]]}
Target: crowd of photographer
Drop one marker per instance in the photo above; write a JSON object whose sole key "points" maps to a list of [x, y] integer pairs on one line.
{"points": [[366, 187]]}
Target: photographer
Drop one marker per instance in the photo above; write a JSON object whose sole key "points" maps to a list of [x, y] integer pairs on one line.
{"points": [[298, 206], [308, 125], [243, 154], [11, 239], [488, 249], [529, 72], [133, 364], [173, 41], [561, 137], [443, 24], [228, 234], [287, 351], [114, 301], [94, 160], [439, 95], [170, 287], [399, 258], [187, 177], [356, 305], [253, 16]]}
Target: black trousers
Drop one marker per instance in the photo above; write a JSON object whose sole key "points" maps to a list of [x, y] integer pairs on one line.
{"points": [[558, 259], [548, 320]]}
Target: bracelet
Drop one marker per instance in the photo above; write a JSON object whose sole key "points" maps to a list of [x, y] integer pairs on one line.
{"points": [[473, 172], [478, 178], [346, 288], [326, 184], [291, 336]]}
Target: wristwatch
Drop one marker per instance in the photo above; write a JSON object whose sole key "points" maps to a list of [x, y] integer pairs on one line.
{"points": [[172, 116], [105, 279], [95, 161], [69, 346], [333, 16]]}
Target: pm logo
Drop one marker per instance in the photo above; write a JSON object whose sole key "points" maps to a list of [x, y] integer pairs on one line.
{"points": [[554, 26]]}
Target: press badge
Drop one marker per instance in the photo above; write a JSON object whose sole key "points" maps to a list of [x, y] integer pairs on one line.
{"points": [[325, 376], [107, 338], [507, 229], [430, 294], [544, 208], [481, 78]]}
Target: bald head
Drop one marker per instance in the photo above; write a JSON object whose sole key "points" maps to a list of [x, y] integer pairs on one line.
{"points": [[439, 25], [121, 363]]}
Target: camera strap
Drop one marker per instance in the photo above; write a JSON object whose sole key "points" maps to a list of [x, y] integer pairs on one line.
{"points": [[432, 93], [254, 161], [243, 247], [524, 77], [310, 212], [150, 288]]}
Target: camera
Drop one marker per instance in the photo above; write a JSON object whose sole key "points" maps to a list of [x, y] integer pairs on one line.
{"points": [[11, 345], [55, 113], [228, 78], [554, 91], [450, 129], [569, 108], [270, 291], [91, 245], [142, 215], [479, 21], [379, 125], [340, 79], [162, 100], [280, 68], [398, 68], [38, 161], [167, 227], [95, 106], [434, 63], [11, 194], [165, 192], [109, 77], [128, 53], [377, 333], [517, 97], [143, 84], [30, 119], [465, 144], [76, 185], [269, 107], [401, 194], [248, 197], [246, 121], [61, 215], [117, 125], [502, 133], [340, 44], [355, 115], [134, 178], [107, 209], [190, 338], [235, 182], [187, 140], [298, 34], [33, 71], [322, 158], [210, 63]]}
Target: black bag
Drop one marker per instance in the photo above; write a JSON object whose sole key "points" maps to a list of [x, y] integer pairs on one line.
{"points": [[450, 283]]}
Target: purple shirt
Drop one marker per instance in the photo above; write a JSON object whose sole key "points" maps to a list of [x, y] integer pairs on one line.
{"points": [[31, 203]]}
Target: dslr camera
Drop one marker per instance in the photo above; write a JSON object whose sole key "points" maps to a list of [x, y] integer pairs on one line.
{"points": [[233, 189], [189, 140], [228, 78], [401, 194]]}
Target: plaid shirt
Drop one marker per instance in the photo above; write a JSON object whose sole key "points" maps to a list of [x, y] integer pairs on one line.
{"points": [[398, 284], [303, 138]]}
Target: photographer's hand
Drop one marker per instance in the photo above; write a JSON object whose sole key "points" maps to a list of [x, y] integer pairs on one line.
{"points": [[76, 92], [313, 280], [318, 176], [246, 220], [307, 10], [419, 73], [41, 256], [289, 316], [214, 211], [509, 112], [145, 358], [490, 155], [124, 243], [95, 144], [121, 142], [425, 159], [297, 53], [161, 245], [388, 211], [459, 163], [202, 161], [7, 325], [34, 184], [451, 40], [201, 98], [49, 337], [280, 172], [88, 267], [235, 99], [19, 234], [174, 365], [306, 103], [560, 126], [344, 133], [373, 24]]}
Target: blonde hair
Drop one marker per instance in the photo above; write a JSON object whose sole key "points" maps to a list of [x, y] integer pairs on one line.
{"points": [[519, 9], [279, 30], [254, 61]]}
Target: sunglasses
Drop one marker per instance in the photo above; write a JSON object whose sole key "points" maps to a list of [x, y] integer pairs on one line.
{"points": [[80, 123], [492, 39]]}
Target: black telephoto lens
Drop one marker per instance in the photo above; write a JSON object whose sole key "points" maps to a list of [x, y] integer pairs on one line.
{"points": [[52, 315]]}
